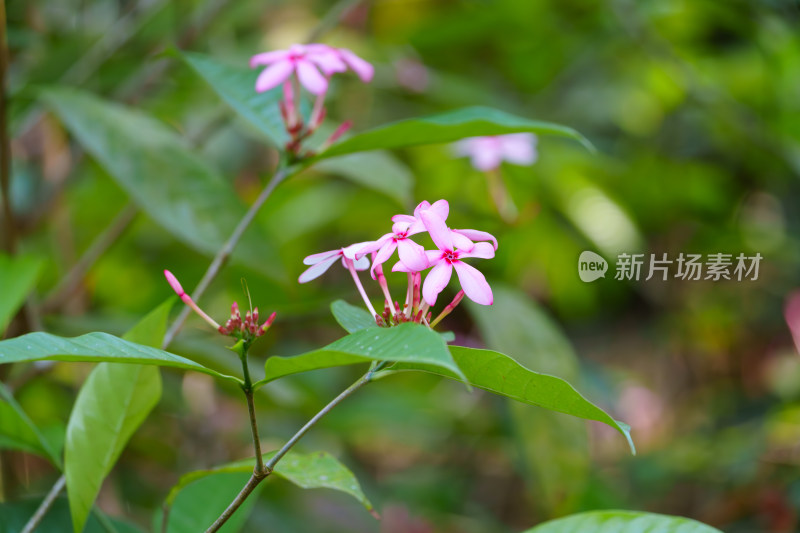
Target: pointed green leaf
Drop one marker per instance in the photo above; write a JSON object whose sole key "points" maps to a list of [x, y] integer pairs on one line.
{"points": [[500, 374], [111, 405], [412, 343], [553, 448], [18, 432], [17, 277], [447, 127], [93, 348], [196, 205], [236, 86], [318, 470], [350, 317], [622, 522]]}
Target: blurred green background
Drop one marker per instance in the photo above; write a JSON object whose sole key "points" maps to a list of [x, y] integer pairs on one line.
{"points": [[695, 111]]}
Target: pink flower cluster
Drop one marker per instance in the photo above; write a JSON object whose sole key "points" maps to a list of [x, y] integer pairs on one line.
{"points": [[452, 247], [312, 66], [247, 328]]}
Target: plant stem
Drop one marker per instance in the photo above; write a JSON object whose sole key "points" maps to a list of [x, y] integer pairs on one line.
{"points": [[256, 478], [66, 287], [225, 252], [45, 505], [247, 387], [251, 485]]}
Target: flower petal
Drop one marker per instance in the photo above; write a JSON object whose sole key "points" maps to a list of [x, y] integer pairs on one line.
{"points": [[310, 77], [408, 219], [441, 208], [361, 248], [438, 230], [474, 284], [477, 235], [267, 58], [362, 263], [462, 242], [436, 280], [400, 267], [487, 158], [519, 148], [364, 70], [317, 270], [383, 254], [328, 61], [313, 259], [482, 250], [273, 76], [412, 255]]}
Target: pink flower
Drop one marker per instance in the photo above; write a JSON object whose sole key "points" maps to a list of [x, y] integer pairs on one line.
{"points": [[306, 61], [341, 59], [486, 153], [448, 257], [321, 262], [412, 255]]}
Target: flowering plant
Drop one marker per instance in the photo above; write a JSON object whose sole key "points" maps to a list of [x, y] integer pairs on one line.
{"points": [[396, 337]]}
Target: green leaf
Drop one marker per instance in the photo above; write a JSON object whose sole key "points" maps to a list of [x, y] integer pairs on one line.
{"points": [[622, 522], [111, 405], [375, 170], [350, 317], [18, 432], [93, 348], [553, 448], [498, 373], [318, 470], [199, 503], [195, 204], [412, 343], [18, 275], [236, 86], [447, 127]]}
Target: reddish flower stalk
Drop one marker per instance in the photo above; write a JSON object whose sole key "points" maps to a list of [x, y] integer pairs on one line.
{"points": [[449, 308]]}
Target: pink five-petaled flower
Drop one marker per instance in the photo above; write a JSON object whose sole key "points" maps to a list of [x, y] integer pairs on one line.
{"points": [[462, 238], [448, 257], [307, 61], [322, 261], [486, 153]]}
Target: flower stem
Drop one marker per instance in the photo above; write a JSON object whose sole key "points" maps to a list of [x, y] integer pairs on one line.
{"points": [[449, 308], [351, 267], [257, 477]]}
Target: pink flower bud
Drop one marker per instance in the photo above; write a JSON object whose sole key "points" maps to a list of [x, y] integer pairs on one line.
{"points": [[174, 283]]}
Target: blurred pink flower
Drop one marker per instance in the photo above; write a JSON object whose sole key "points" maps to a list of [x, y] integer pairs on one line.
{"points": [[313, 64], [412, 74], [448, 257], [487, 153]]}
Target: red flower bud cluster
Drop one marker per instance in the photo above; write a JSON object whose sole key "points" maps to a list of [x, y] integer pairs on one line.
{"points": [[248, 327]]}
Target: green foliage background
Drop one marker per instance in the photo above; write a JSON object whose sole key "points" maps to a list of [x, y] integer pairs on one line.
{"points": [[693, 107]]}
